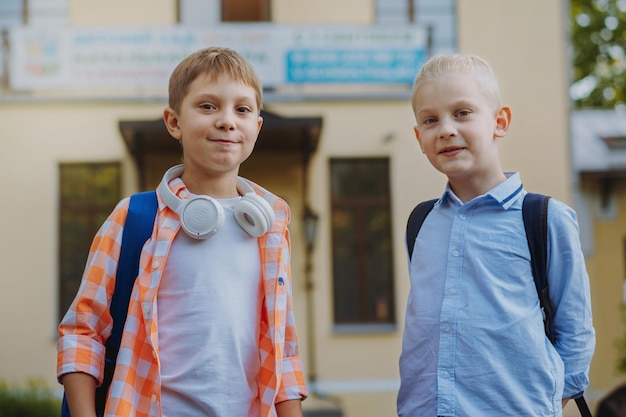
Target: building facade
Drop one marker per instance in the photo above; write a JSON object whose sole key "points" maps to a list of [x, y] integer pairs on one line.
{"points": [[80, 106]]}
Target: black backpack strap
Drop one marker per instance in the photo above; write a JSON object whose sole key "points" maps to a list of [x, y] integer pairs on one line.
{"points": [[583, 407], [535, 214], [416, 218], [138, 227]]}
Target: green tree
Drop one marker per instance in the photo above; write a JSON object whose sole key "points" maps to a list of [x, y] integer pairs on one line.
{"points": [[598, 29]]}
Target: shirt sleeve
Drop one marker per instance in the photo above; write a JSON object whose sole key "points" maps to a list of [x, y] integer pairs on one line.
{"points": [[87, 324], [292, 384], [570, 296]]}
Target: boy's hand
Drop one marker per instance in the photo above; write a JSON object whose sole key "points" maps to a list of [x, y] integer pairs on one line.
{"points": [[289, 408], [564, 402]]}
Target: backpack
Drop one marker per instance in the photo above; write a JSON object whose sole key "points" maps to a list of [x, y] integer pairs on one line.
{"points": [[137, 229], [535, 215]]}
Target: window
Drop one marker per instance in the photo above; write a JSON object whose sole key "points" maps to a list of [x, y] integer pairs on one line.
{"points": [[394, 11], [206, 12], [88, 194], [439, 15], [245, 11], [199, 12], [33, 12], [624, 287], [361, 241], [11, 14]]}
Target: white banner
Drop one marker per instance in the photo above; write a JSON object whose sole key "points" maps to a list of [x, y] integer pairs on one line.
{"points": [[145, 57]]}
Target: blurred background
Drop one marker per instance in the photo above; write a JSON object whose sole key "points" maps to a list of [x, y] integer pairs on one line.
{"points": [[83, 85]]}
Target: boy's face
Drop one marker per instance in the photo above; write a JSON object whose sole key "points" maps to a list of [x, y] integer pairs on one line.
{"points": [[218, 125], [457, 127]]}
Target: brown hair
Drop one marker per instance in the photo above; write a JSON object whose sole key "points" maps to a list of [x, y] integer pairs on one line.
{"points": [[212, 61]]}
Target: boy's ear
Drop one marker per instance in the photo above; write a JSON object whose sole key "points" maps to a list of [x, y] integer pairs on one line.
{"points": [[503, 121], [171, 123], [260, 123], [418, 137]]}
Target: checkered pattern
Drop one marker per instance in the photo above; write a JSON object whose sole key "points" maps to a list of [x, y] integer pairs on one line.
{"points": [[136, 389]]}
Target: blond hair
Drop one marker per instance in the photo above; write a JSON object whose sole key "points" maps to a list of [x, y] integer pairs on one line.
{"points": [[443, 64], [213, 62]]}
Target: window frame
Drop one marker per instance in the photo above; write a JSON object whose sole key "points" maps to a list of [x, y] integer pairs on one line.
{"points": [[205, 12], [232, 11], [361, 206], [73, 248]]}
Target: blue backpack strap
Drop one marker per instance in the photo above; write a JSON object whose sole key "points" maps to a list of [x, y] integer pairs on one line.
{"points": [[137, 230], [414, 224], [138, 227]]}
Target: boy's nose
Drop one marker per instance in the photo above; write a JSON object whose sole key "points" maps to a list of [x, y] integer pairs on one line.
{"points": [[225, 121], [446, 129]]}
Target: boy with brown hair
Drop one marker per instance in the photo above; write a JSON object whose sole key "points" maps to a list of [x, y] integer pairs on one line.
{"points": [[474, 341], [210, 328]]}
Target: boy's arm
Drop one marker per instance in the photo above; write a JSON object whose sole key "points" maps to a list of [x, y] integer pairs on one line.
{"points": [[80, 394], [289, 408], [88, 323], [570, 296]]}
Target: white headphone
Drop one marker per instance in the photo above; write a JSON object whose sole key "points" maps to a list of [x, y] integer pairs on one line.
{"points": [[202, 216]]}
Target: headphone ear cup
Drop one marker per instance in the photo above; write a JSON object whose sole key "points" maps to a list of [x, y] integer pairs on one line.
{"points": [[254, 215], [201, 217]]}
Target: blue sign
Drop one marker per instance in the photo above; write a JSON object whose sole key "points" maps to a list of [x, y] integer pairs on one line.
{"points": [[394, 65]]}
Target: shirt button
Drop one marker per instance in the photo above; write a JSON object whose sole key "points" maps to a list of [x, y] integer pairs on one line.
{"points": [[146, 310], [155, 264], [452, 291], [154, 398], [455, 253], [462, 216], [447, 328]]}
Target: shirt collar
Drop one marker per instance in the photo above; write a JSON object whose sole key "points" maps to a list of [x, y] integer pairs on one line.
{"points": [[505, 193], [178, 187]]}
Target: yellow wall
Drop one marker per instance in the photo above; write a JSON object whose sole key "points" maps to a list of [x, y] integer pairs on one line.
{"points": [[122, 13], [35, 139], [607, 273], [323, 11], [527, 50], [525, 42]]}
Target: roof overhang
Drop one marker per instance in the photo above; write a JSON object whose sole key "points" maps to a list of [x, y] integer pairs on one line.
{"points": [[278, 134], [599, 143]]}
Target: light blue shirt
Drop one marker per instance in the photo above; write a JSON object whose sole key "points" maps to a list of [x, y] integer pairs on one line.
{"points": [[474, 342]]}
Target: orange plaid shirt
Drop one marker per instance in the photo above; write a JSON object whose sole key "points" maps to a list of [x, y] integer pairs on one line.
{"points": [[136, 389]]}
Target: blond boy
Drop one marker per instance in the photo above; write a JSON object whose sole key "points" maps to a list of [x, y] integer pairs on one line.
{"points": [[474, 342]]}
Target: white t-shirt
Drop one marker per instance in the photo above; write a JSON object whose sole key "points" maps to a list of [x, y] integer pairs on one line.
{"points": [[208, 310]]}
